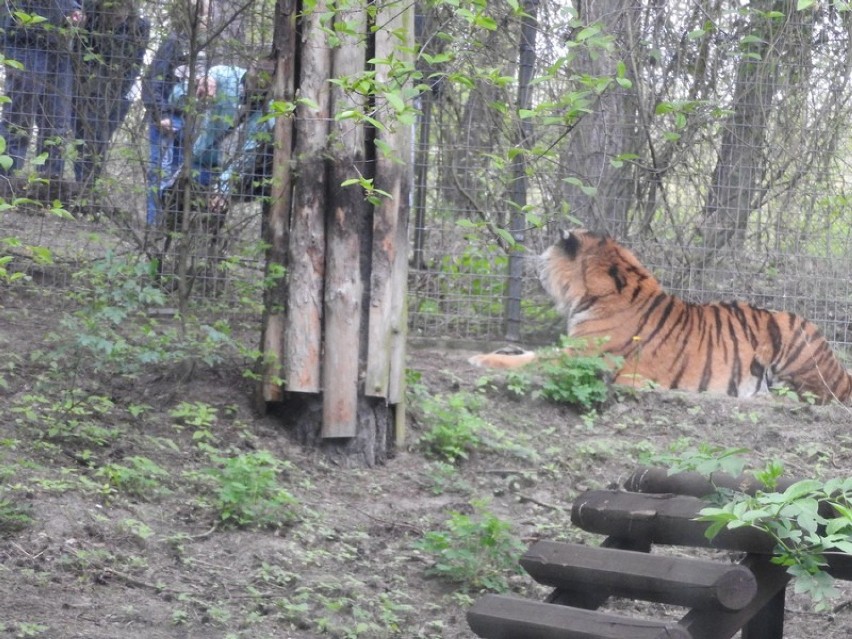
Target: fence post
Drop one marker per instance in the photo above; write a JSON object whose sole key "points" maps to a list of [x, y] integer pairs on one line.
{"points": [[526, 54]]}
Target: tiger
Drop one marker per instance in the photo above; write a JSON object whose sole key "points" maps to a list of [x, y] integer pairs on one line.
{"points": [[618, 308]]}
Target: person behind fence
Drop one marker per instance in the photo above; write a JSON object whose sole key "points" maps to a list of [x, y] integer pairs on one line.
{"points": [[38, 35], [164, 146], [107, 61], [233, 110], [169, 67], [247, 172]]}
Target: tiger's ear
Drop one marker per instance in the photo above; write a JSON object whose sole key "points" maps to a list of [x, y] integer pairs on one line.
{"points": [[570, 244]]}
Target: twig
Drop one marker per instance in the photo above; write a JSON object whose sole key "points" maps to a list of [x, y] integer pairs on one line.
{"points": [[538, 502]]}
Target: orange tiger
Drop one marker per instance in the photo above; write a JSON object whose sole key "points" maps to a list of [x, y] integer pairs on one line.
{"points": [[723, 347]]}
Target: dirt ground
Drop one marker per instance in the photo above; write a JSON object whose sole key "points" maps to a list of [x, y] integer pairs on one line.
{"points": [[95, 561]]}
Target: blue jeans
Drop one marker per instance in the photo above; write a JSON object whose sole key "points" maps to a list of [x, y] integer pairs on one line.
{"points": [[40, 95], [165, 158]]}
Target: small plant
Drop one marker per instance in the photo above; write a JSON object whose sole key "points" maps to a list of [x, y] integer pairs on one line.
{"points": [[806, 397], [564, 375], [247, 492], [808, 521], [570, 378], [13, 518], [75, 418], [137, 477], [477, 551], [201, 417], [704, 459], [454, 428]]}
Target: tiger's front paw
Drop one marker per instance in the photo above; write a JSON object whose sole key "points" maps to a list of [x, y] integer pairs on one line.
{"points": [[504, 358]]}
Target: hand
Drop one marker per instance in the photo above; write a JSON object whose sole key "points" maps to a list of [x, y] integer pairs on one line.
{"points": [[165, 125]]}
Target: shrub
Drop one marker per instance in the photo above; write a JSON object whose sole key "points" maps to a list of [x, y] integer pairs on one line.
{"points": [[453, 427], [247, 492], [476, 551]]}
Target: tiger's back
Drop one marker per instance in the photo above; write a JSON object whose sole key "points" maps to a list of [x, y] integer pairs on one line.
{"points": [[732, 348]]}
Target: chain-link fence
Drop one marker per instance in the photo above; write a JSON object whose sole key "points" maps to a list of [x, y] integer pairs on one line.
{"points": [[709, 137]]}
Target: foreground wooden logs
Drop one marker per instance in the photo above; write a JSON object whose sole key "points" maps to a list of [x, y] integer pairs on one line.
{"points": [[637, 575], [723, 598], [501, 617]]}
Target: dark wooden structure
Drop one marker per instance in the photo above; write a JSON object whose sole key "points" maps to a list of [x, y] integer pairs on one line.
{"points": [[722, 598]]}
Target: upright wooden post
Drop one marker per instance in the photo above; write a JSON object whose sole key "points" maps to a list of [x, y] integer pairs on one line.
{"points": [[303, 325], [385, 372], [277, 219], [346, 215]]}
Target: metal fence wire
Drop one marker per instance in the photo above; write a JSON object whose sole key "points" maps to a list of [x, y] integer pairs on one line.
{"points": [[711, 138]]}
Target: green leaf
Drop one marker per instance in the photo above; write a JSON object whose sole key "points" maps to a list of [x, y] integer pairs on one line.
{"points": [[802, 488]]}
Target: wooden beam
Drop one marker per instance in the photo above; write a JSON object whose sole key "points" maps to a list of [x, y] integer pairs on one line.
{"points": [[388, 275], [502, 617], [659, 519], [346, 217], [276, 224], [303, 325], [637, 575], [658, 480]]}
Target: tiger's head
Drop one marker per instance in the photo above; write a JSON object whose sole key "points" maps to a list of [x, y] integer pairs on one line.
{"points": [[584, 272]]}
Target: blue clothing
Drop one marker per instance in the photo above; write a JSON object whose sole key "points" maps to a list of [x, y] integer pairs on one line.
{"points": [[247, 174], [242, 165], [160, 79], [40, 93], [165, 159], [107, 62], [213, 124], [165, 152]]}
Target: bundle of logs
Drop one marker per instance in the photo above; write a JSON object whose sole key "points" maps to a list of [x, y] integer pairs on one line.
{"points": [[654, 508]]}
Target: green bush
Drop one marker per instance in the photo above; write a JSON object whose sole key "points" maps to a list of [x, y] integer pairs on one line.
{"points": [[453, 427], [138, 477], [476, 551], [13, 518], [247, 492], [114, 330], [562, 375]]}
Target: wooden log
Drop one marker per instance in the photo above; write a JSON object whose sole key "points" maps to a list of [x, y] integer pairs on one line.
{"points": [[637, 575], [658, 480], [761, 615], [502, 617], [659, 519], [346, 227], [588, 599], [303, 325], [670, 519], [277, 222], [389, 267]]}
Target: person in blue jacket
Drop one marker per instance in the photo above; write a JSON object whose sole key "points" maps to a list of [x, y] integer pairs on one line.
{"points": [[233, 114], [39, 93], [109, 55]]}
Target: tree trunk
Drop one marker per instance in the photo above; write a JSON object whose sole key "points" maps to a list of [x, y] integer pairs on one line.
{"points": [[741, 167], [605, 192]]}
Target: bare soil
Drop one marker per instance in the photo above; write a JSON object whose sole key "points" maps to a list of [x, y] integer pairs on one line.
{"points": [[94, 562]]}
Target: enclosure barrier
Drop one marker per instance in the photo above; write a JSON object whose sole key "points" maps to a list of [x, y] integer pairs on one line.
{"points": [[653, 508]]}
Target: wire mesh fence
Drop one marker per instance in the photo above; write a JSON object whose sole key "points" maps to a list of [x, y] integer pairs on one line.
{"points": [[708, 137]]}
